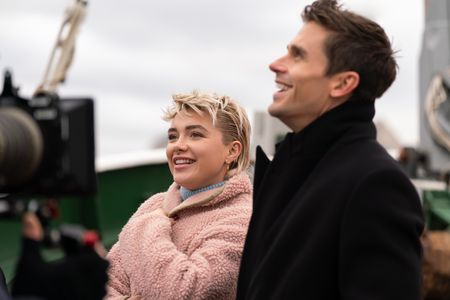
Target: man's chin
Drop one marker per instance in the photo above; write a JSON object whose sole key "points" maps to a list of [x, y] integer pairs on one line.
{"points": [[273, 110]]}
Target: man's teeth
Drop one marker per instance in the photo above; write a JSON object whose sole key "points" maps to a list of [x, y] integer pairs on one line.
{"points": [[283, 87], [183, 161]]}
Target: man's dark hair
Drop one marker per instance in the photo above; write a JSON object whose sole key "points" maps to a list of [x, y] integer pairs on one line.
{"points": [[355, 44]]}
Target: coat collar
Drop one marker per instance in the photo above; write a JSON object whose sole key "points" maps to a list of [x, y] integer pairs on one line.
{"points": [[316, 138], [237, 184]]}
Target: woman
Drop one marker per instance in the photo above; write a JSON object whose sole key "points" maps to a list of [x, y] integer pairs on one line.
{"points": [[186, 243]]}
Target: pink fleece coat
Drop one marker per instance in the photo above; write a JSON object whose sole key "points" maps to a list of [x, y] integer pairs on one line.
{"points": [[183, 250]]}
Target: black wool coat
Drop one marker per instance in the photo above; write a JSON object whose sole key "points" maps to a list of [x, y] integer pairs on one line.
{"points": [[334, 217]]}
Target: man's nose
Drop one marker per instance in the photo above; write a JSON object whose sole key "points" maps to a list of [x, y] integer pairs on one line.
{"points": [[277, 66]]}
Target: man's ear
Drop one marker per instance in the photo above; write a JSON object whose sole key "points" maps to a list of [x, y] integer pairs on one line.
{"points": [[344, 83]]}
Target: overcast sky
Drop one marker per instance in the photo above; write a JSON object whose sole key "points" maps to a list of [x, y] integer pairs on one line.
{"points": [[131, 56]]}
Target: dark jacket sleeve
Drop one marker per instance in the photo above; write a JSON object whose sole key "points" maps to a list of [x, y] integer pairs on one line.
{"points": [[380, 252]]}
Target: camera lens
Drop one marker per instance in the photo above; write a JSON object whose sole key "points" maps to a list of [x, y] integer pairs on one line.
{"points": [[21, 147]]}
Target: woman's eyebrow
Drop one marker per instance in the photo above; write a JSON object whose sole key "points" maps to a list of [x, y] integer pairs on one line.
{"points": [[192, 127], [188, 128]]}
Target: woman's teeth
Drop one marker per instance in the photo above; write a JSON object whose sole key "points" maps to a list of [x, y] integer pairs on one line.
{"points": [[183, 161]]}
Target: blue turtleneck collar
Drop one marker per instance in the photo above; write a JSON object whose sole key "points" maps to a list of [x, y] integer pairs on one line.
{"points": [[185, 193]]}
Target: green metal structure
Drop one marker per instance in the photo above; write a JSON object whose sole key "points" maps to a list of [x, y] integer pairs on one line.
{"points": [[436, 205]]}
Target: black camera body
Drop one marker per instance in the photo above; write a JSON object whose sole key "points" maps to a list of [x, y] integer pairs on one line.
{"points": [[47, 144]]}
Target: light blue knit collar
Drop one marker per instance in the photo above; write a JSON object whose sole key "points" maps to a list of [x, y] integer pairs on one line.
{"points": [[185, 193]]}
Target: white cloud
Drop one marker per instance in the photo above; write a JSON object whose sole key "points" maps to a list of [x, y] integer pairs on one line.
{"points": [[133, 55]]}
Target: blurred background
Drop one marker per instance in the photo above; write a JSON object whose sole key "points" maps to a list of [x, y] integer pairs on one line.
{"points": [[131, 56]]}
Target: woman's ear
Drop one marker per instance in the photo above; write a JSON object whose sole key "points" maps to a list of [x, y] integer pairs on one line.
{"points": [[234, 149], [344, 83]]}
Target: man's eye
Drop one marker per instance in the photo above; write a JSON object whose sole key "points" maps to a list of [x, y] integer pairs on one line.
{"points": [[297, 54], [172, 137]]}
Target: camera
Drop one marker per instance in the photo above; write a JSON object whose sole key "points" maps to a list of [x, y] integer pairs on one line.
{"points": [[47, 145]]}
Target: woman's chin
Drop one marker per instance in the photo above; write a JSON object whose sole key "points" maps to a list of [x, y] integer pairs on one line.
{"points": [[184, 181]]}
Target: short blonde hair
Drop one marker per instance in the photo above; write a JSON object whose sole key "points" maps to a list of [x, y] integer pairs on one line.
{"points": [[228, 116]]}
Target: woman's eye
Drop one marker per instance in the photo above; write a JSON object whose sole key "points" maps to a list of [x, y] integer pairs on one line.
{"points": [[172, 137], [196, 134]]}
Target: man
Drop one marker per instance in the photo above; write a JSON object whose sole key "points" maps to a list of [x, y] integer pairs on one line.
{"points": [[334, 217]]}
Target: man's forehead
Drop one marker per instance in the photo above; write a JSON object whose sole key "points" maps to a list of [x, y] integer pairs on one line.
{"points": [[310, 35]]}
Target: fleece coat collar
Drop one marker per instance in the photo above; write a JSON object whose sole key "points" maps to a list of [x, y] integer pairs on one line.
{"points": [[172, 203]]}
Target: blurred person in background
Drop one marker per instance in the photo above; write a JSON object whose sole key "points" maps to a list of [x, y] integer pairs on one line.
{"points": [[80, 274]]}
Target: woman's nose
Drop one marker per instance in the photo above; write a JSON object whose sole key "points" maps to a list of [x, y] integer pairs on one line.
{"points": [[180, 145]]}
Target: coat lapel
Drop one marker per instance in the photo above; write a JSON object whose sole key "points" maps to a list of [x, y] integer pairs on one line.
{"points": [[261, 164]]}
